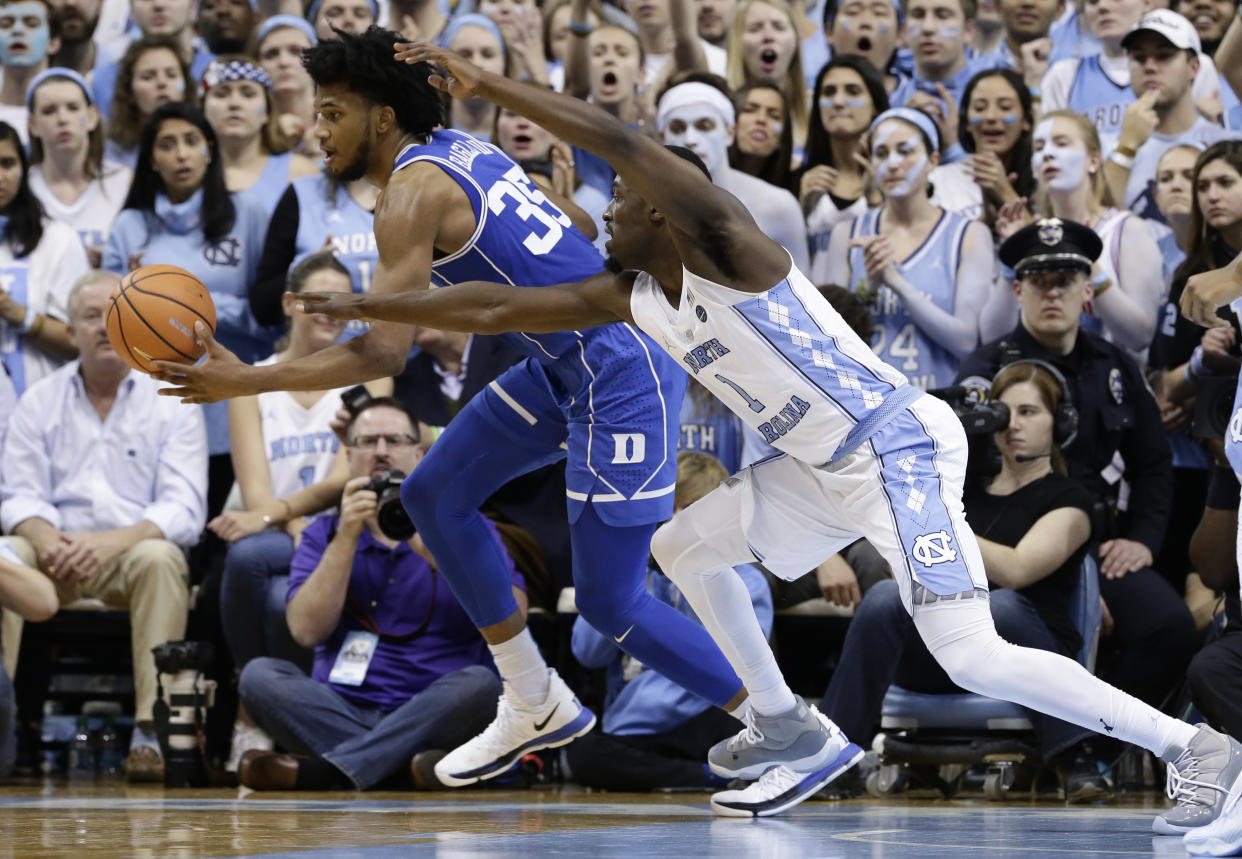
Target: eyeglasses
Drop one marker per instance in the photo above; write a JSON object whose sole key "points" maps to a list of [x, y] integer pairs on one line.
{"points": [[367, 442]]}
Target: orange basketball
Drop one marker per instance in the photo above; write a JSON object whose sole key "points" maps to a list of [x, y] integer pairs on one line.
{"points": [[152, 313]]}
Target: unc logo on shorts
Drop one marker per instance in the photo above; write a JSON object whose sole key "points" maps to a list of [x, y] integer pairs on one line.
{"points": [[226, 251], [932, 549], [630, 447]]}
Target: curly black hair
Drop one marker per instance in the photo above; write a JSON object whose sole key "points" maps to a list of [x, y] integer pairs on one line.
{"points": [[365, 65]]}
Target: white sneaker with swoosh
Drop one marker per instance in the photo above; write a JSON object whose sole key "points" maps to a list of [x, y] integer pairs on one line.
{"points": [[516, 731]]}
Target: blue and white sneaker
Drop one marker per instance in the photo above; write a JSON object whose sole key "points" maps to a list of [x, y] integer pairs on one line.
{"points": [[783, 786], [515, 731]]}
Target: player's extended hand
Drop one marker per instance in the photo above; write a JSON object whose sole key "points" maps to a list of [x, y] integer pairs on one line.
{"points": [[216, 378], [461, 77], [1208, 291], [1120, 557], [338, 305]]}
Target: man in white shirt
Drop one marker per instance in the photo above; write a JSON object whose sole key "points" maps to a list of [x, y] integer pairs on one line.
{"points": [[1163, 51], [103, 486]]}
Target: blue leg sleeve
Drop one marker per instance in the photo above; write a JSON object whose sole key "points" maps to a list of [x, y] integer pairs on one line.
{"points": [[610, 572]]}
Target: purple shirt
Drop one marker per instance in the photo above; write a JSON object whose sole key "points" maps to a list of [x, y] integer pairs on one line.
{"points": [[396, 591]]}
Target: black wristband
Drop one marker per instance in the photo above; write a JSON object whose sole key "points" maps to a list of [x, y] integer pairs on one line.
{"points": [[1223, 489]]}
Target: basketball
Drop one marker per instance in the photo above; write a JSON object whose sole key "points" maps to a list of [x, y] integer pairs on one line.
{"points": [[152, 313]]}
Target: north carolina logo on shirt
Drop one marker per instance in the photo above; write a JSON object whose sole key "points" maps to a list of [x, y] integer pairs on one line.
{"points": [[1235, 427], [932, 549], [1115, 386], [223, 252]]}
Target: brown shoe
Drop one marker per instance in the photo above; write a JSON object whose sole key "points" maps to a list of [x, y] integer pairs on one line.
{"points": [[263, 770], [423, 770], [144, 764]]}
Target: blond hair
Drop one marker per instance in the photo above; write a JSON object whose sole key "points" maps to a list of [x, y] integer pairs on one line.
{"points": [[697, 474], [1091, 142], [792, 85]]}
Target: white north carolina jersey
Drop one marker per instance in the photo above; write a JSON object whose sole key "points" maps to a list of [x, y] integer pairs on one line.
{"points": [[783, 360], [93, 213], [298, 442]]}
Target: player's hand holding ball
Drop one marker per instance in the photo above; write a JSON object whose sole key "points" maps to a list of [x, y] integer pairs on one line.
{"points": [[152, 315]]}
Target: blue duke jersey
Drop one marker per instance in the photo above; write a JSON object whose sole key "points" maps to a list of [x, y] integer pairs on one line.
{"points": [[518, 230], [610, 389], [932, 268], [783, 360]]}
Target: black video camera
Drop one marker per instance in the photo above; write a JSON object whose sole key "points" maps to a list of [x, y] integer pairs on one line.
{"points": [[1213, 406], [181, 655], [393, 520], [978, 416]]}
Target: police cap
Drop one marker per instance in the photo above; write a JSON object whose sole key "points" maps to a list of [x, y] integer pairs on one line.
{"points": [[1051, 244]]}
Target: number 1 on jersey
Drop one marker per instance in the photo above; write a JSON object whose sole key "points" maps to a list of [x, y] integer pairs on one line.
{"points": [[755, 406]]}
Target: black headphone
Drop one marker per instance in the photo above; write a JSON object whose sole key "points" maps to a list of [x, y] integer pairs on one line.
{"points": [[1064, 416]]}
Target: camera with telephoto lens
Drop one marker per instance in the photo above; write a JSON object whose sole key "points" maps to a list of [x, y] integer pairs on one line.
{"points": [[183, 695], [978, 416], [1214, 397], [393, 520]]}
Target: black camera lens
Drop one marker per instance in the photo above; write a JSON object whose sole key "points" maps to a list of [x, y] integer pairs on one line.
{"points": [[394, 522]]}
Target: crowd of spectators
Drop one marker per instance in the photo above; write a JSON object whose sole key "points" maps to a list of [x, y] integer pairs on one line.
{"points": [[890, 147]]}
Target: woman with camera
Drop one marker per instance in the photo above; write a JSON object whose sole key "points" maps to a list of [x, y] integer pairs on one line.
{"points": [[289, 465], [1033, 526]]}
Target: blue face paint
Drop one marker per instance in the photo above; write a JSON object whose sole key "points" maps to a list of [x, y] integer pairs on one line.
{"points": [[1010, 118], [25, 23]]}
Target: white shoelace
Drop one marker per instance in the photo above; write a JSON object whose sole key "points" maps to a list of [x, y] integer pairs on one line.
{"points": [[776, 781], [1183, 788], [748, 736]]}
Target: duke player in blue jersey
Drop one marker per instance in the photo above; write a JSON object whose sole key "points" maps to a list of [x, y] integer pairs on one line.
{"points": [[863, 452], [606, 399]]}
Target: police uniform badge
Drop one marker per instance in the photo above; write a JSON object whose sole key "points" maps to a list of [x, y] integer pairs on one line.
{"points": [[1115, 386], [1051, 232]]}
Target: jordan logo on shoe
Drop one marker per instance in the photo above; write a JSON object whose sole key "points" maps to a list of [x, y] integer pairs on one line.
{"points": [[1107, 727], [539, 726]]}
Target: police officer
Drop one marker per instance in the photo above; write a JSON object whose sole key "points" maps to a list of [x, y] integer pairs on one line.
{"points": [[1120, 435]]}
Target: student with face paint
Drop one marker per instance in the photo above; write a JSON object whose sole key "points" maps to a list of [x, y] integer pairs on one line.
{"points": [[764, 48], [68, 172], [1098, 85], [836, 177], [1164, 61], [698, 115], [855, 436], [167, 19], [870, 29], [237, 101], [1127, 286], [39, 261], [26, 39], [996, 134], [281, 40], [180, 212], [763, 143], [939, 34], [151, 74], [927, 272]]}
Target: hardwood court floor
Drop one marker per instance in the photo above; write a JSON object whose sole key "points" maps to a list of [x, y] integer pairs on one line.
{"points": [[59, 819]]}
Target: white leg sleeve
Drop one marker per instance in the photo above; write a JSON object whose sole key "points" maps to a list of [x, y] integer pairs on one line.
{"points": [[697, 550], [963, 639]]}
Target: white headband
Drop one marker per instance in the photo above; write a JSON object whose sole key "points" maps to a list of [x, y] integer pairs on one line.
{"points": [[694, 93]]}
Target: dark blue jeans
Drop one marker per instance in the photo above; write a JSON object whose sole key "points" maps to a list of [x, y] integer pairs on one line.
{"points": [[252, 600], [882, 648], [305, 716]]}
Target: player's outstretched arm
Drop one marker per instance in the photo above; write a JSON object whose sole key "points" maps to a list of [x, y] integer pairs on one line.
{"points": [[675, 188], [488, 308]]}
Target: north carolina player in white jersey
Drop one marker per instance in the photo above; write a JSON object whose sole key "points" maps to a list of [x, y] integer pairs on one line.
{"points": [[864, 453]]}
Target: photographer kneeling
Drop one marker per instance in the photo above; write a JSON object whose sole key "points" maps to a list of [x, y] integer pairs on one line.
{"points": [[1033, 524], [399, 668]]}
